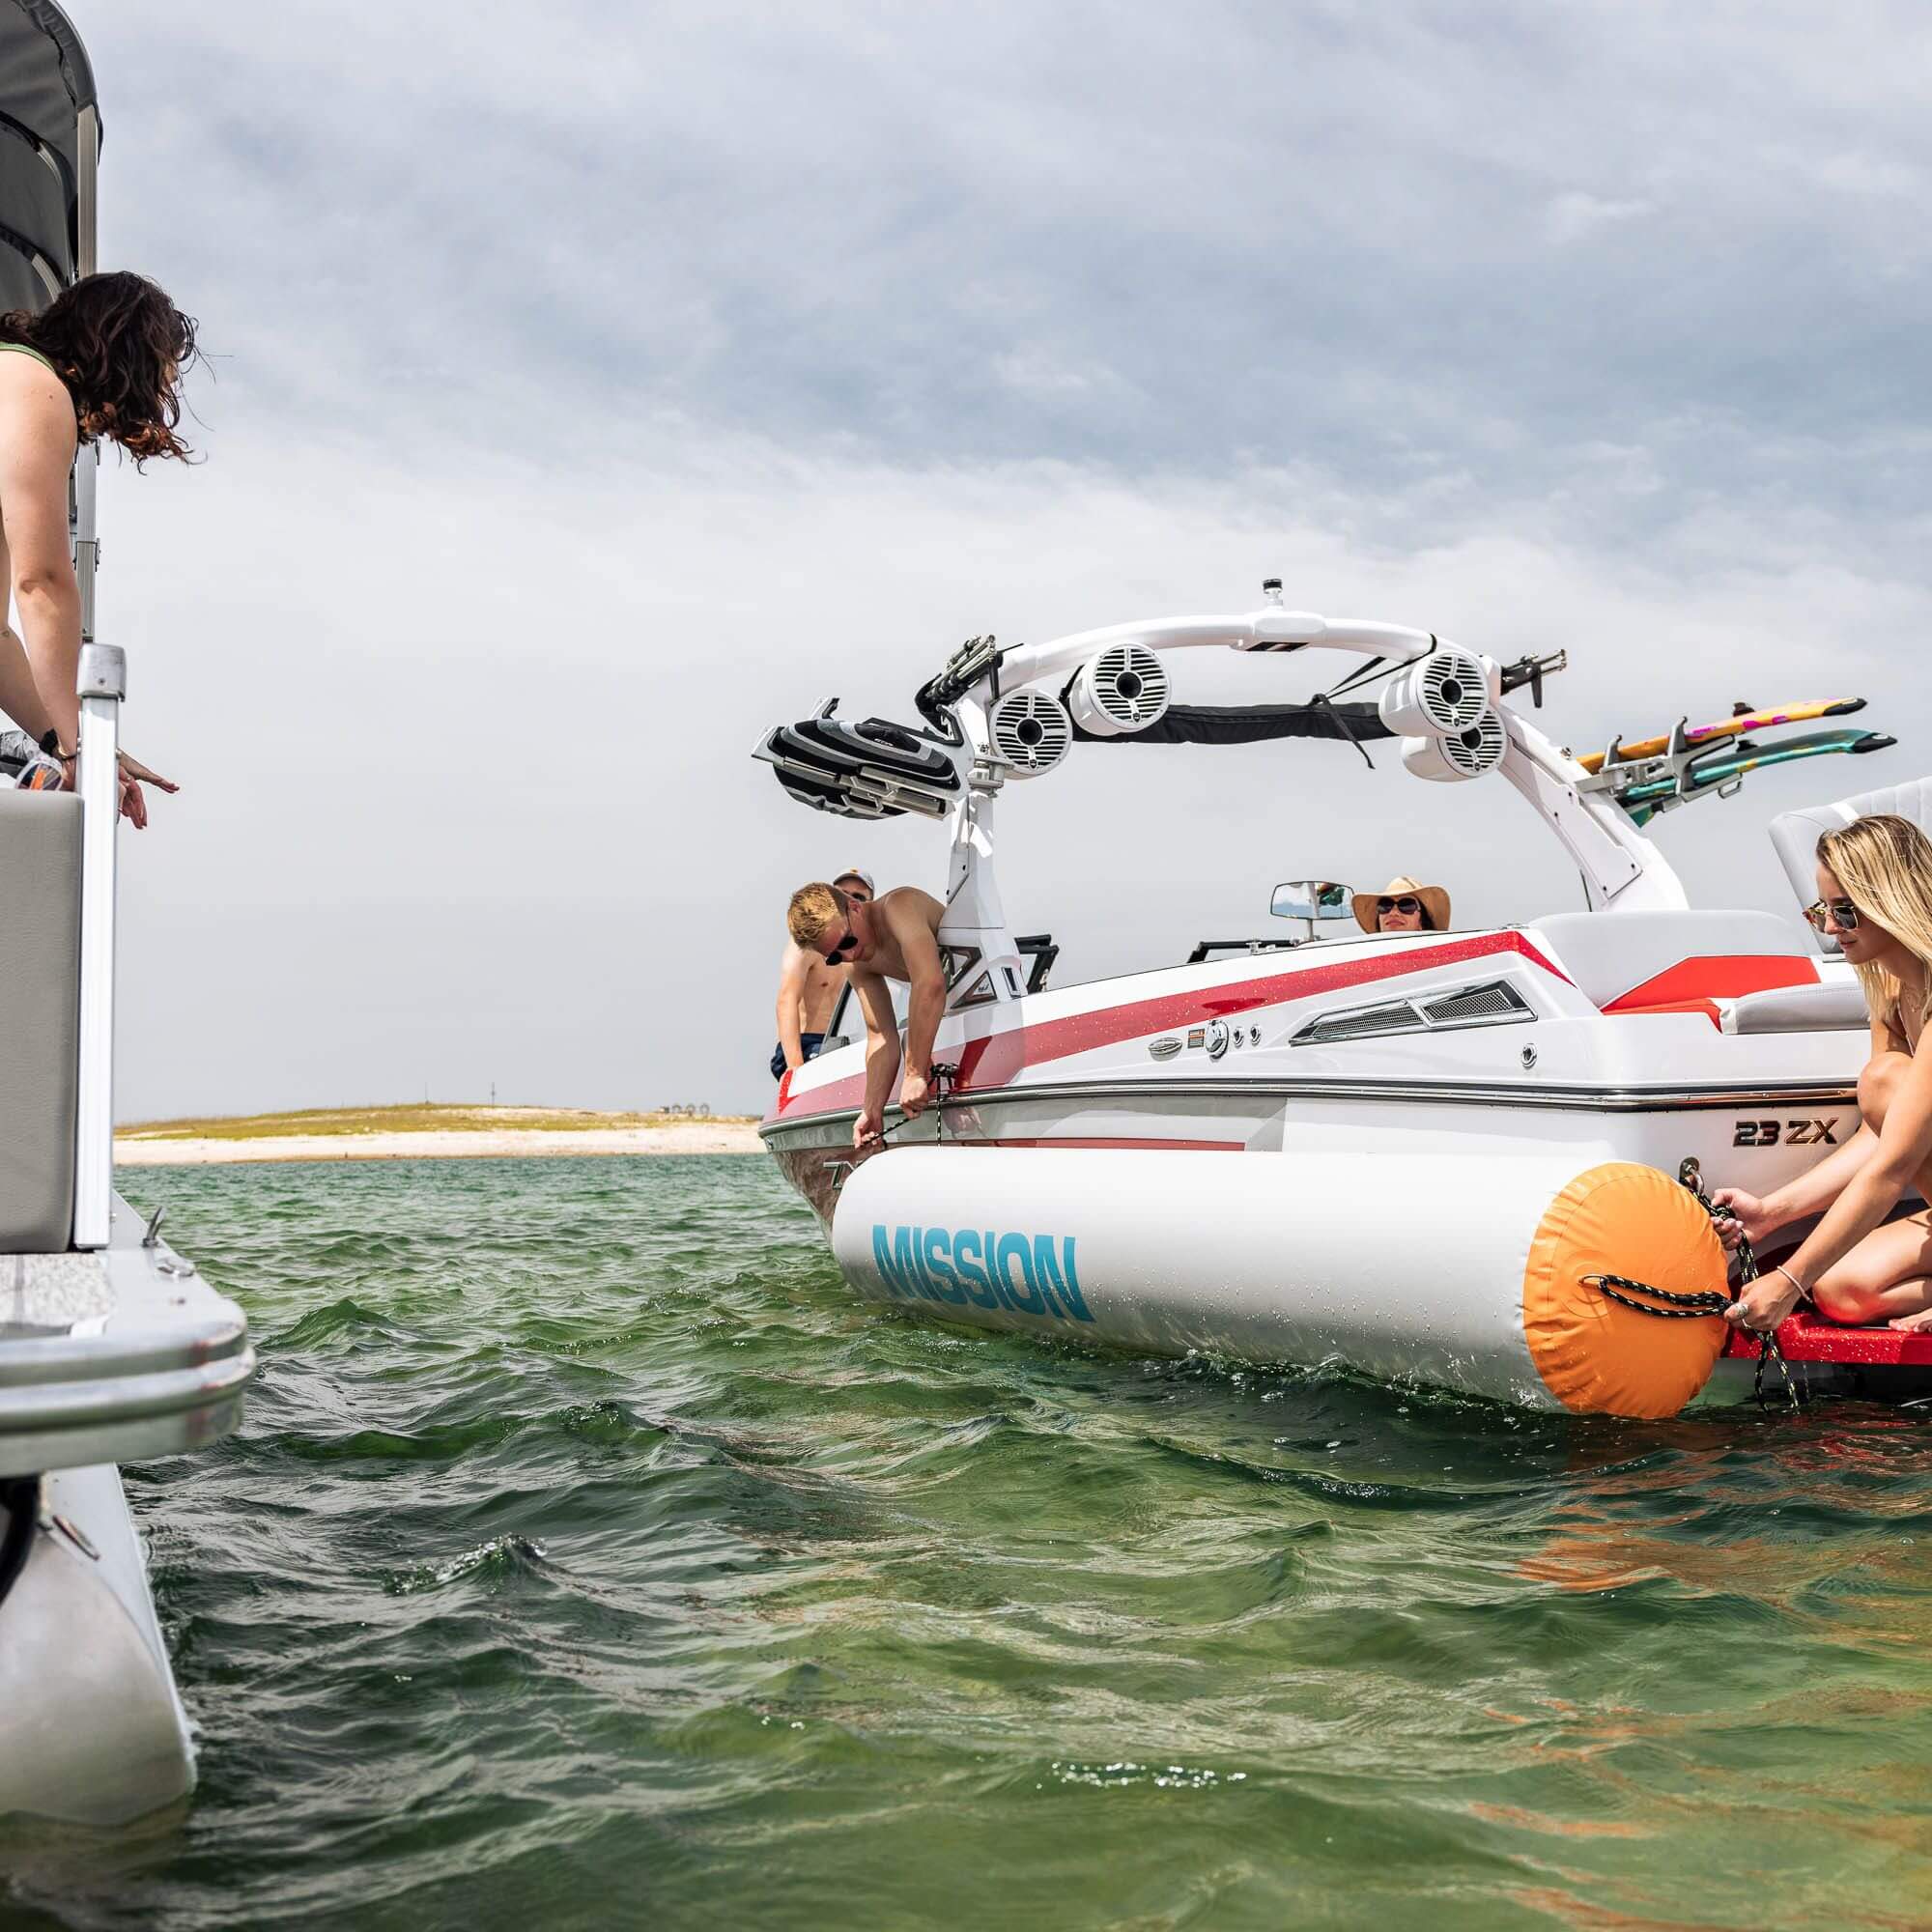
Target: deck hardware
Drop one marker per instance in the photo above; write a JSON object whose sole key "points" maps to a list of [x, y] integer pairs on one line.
{"points": [[152, 1239], [49, 1522]]}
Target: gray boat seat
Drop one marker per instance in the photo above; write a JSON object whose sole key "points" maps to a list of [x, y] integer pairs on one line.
{"points": [[40, 971], [1830, 1006], [1794, 835]]}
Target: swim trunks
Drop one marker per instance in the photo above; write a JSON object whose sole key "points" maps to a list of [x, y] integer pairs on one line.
{"points": [[809, 1043]]}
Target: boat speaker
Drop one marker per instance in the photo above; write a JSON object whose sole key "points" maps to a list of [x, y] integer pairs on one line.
{"points": [[1446, 691], [1030, 731], [1456, 756], [1122, 691]]}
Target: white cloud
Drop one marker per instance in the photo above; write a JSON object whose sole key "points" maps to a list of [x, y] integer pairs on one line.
{"points": [[1575, 215]]}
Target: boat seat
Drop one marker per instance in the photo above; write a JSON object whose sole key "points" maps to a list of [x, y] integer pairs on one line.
{"points": [[1831, 1005], [1794, 835], [1653, 961], [40, 968]]}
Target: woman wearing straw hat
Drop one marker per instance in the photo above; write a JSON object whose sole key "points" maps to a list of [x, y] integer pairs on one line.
{"points": [[1403, 905]]}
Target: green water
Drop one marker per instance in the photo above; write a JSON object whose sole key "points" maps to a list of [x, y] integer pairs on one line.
{"points": [[588, 1559]]}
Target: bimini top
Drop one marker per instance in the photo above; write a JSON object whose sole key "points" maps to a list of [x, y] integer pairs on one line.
{"points": [[49, 115]]}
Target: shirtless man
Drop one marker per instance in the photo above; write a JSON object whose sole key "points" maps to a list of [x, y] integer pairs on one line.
{"points": [[808, 989], [895, 937]]}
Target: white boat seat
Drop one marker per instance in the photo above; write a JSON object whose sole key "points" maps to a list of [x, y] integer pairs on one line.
{"points": [[1671, 956], [1794, 835], [40, 968], [1831, 1005]]}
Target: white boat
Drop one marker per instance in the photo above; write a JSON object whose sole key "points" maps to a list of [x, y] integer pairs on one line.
{"points": [[112, 1346], [1445, 1139]]}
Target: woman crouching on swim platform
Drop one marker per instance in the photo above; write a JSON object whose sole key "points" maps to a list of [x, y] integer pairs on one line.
{"points": [[1875, 897]]}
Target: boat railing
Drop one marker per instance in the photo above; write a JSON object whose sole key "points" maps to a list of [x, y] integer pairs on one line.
{"points": [[103, 683]]}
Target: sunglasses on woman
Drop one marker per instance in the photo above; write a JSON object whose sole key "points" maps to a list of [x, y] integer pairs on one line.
{"points": [[843, 947], [1841, 913], [1408, 905]]}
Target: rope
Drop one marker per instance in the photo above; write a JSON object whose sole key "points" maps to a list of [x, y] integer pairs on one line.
{"points": [[1644, 1296], [944, 1075]]}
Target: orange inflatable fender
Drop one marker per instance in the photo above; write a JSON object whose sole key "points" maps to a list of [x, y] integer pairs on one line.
{"points": [[1595, 1355]]}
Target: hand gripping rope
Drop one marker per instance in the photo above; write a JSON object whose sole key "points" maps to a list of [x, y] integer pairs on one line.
{"points": [[1669, 1305], [944, 1077]]}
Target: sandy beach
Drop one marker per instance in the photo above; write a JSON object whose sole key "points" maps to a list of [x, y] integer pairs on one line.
{"points": [[414, 1133]]}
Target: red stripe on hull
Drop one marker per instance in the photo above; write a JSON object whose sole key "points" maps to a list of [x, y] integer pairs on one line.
{"points": [[997, 1058]]}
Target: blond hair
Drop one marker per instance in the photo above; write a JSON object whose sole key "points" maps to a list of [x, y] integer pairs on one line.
{"points": [[1884, 864], [812, 909]]}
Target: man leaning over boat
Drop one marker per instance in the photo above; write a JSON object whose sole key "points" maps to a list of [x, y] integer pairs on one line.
{"points": [[895, 937]]}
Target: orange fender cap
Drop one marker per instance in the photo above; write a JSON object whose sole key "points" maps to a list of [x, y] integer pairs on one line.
{"points": [[1595, 1355]]}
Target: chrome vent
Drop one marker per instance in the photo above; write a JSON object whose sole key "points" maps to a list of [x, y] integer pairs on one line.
{"points": [[1359, 1023], [1492, 1003], [1479, 1005]]}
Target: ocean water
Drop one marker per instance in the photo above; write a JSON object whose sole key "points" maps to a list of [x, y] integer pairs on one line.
{"points": [[588, 1558]]}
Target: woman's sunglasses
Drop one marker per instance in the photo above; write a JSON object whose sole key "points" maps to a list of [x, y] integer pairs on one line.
{"points": [[843, 947], [1398, 905], [1844, 914]]}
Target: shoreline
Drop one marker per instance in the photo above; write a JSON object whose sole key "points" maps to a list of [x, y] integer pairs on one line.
{"points": [[457, 1144]]}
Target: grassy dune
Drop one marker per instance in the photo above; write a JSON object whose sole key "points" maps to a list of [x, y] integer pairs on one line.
{"points": [[428, 1117]]}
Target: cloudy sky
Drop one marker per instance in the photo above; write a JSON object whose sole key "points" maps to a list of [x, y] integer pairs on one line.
{"points": [[592, 387]]}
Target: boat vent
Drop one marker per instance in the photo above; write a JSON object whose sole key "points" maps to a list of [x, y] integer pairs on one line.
{"points": [[1479, 1005], [1493, 1003], [1395, 1017]]}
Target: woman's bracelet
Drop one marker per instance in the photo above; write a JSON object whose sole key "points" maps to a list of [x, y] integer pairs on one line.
{"points": [[1803, 1290]]}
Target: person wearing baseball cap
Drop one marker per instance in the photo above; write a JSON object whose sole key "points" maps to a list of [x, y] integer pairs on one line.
{"points": [[809, 988]]}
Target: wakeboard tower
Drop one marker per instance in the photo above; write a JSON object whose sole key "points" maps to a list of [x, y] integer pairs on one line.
{"points": [[1524, 1117]]}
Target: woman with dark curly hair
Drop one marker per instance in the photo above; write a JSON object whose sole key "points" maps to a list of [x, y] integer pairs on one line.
{"points": [[103, 360]]}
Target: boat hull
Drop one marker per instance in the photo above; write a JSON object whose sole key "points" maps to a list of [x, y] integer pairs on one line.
{"points": [[95, 1731], [1457, 1270], [1200, 1134]]}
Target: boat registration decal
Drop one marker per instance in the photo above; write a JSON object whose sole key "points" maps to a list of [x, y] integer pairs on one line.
{"points": [[1029, 1274]]}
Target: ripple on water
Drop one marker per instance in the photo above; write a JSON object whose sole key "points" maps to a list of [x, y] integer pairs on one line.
{"points": [[588, 1557]]}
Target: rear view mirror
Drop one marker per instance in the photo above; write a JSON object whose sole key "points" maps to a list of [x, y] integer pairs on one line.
{"points": [[1312, 899]]}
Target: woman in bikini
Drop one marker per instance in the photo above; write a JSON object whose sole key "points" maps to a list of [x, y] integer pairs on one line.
{"points": [[103, 359], [1875, 895]]}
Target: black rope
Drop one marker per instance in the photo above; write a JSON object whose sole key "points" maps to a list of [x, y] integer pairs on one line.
{"points": [[1644, 1296], [944, 1075]]}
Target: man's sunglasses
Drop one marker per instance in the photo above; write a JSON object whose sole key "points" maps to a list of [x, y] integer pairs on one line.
{"points": [[1844, 914], [843, 947], [1408, 905]]}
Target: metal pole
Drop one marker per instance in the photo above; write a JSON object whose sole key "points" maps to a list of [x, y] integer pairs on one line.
{"points": [[87, 466], [86, 188], [103, 683]]}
